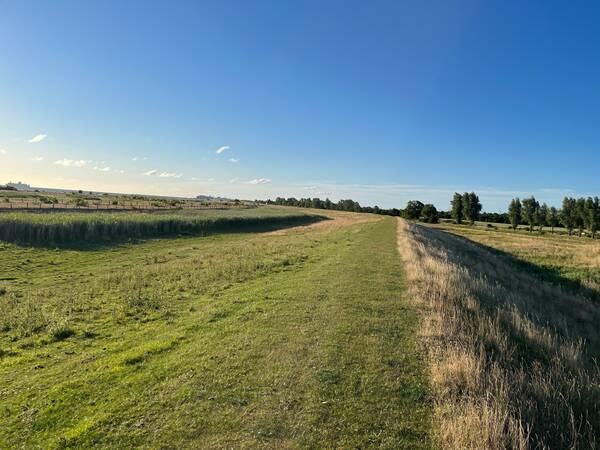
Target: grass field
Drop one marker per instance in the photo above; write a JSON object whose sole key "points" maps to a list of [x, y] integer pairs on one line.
{"points": [[295, 338], [52, 228], [355, 331], [513, 343], [40, 200], [571, 261]]}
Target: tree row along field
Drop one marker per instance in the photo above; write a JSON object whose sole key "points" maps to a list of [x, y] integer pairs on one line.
{"points": [[297, 338], [581, 214], [65, 228]]}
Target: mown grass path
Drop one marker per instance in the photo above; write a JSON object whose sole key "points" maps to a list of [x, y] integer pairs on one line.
{"points": [[317, 352]]}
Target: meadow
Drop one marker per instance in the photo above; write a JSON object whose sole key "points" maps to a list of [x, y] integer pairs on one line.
{"points": [[571, 261], [282, 327], [511, 324], [48, 228], [294, 338]]}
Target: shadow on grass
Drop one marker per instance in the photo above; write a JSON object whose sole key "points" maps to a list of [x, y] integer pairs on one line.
{"points": [[545, 355], [543, 273], [254, 225]]}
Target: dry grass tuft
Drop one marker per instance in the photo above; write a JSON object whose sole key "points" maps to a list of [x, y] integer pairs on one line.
{"points": [[512, 357]]}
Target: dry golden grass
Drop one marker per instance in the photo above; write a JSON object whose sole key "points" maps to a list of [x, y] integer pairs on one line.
{"points": [[571, 250], [512, 357]]}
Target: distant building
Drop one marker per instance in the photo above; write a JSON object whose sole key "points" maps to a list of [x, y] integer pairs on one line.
{"points": [[20, 186]]}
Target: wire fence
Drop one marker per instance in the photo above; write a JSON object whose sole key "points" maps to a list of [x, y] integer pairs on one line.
{"points": [[14, 205]]}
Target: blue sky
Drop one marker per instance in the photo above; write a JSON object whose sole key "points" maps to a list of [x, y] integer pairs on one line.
{"points": [[377, 101]]}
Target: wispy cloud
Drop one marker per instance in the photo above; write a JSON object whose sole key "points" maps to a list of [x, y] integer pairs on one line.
{"points": [[38, 138], [139, 158], [71, 162], [37, 158], [169, 175], [222, 149], [234, 160], [155, 172], [102, 169], [3, 152], [259, 181]]}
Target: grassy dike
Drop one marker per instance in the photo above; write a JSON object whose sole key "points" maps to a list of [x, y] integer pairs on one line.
{"points": [[295, 340]]}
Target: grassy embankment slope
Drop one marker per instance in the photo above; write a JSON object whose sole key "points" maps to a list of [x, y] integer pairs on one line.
{"points": [[512, 332], [559, 258], [294, 338]]}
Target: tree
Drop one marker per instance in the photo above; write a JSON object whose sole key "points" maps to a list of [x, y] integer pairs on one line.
{"points": [[552, 218], [580, 214], [471, 207], [568, 213], [540, 216], [457, 208], [429, 214], [413, 210], [592, 215], [514, 212], [530, 207]]}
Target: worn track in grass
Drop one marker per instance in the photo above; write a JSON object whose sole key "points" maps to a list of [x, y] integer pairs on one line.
{"points": [[296, 340]]}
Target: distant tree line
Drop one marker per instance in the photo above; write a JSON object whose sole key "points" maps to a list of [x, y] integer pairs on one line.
{"points": [[342, 205], [576, 213], [415, 210]]}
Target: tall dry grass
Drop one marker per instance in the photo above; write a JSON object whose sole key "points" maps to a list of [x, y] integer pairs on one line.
{"points": [[61, 228], [512, 357]]}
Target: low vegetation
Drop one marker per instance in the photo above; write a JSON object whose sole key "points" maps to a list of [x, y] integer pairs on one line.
{"points": [[298, 338], [61, 228], [573, 263], [36, 199], [513, 356]]}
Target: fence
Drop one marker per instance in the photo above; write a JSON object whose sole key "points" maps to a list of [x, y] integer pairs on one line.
{"points": [[13, 205]]}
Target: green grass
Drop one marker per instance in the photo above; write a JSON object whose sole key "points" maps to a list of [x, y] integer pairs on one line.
{"points": [[59, 227], [302, 339]]}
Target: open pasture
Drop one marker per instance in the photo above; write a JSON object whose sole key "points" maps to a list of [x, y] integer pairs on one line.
{"points": [[300, 337]]}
